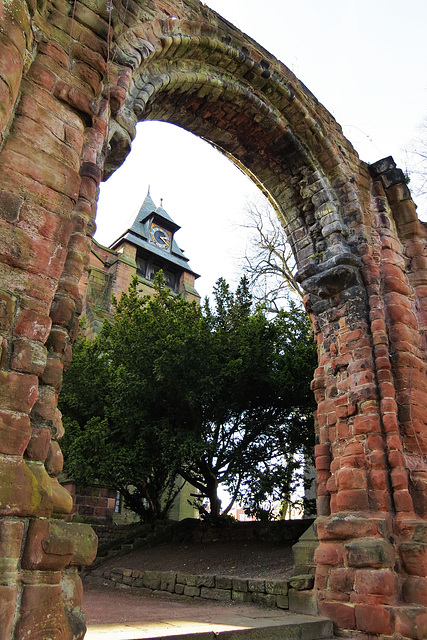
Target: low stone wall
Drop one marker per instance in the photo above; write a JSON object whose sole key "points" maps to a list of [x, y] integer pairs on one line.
{"points": [[267, 593], [106, 533], [200, 531]]}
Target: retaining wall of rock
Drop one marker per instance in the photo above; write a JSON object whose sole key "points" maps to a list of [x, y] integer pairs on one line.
{"points": [[267, 593]]}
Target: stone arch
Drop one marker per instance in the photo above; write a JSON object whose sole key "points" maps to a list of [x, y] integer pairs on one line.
{"points": [[77, 77], [200, 78]]}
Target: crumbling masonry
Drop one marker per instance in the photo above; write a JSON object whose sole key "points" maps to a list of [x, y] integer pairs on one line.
{"points": [[76, 73]]}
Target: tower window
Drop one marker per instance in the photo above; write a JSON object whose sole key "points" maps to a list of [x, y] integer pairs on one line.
{"points": [[141, 267]]}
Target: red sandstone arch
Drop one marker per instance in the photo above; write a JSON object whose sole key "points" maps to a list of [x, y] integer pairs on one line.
{"points": [[75, 77]]}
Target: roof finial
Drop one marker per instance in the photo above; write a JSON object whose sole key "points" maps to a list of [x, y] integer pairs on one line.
{"points": [[161, 202], [148, 193]]}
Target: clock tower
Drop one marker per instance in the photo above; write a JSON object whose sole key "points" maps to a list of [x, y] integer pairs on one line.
{"points": [[143, 249]]}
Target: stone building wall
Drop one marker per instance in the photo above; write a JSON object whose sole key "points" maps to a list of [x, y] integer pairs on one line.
{"points": [[94, 504], [109, 274]]}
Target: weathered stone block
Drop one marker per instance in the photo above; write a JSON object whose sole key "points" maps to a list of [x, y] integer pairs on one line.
{"points": [[22, 493], [28, 356], [328, 553], [15, 433], [374, 618], [194, 592], [55, 460], [55, 226], [411, 622], [34, 621], [282, 602], [181, 578], [82, 536], [376, 582], [206, 581], [7, 311], [414, 556], [341, 580], [302, 582], [72, 588], [168, 581], [11, 65], [45, 551], [381, 166], [303, 551], [38, 445], [52, 374], [414, 590], [62, 311], [18, 391], [223, 582], [152, 579], [8, 597], [264, 600], [239, 584], [344, 526], [370, 552], [10, 207], [256, 586], [57, 428], [278, 587], [62, 502], [215, 594], [241, 596], [11, 534], [352, 500], [342, 615], [46, 403], [303, 602], [351, 478], [33, 325]]}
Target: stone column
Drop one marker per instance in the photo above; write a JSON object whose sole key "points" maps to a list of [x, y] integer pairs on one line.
{"points": [[370, 457], [43, 250]]}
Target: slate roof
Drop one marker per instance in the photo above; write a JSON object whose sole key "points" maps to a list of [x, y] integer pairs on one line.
{"points": [[138, 234]]}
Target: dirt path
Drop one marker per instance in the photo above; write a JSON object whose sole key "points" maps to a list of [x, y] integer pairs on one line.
{"points": [[104, 605], [246, 560]]}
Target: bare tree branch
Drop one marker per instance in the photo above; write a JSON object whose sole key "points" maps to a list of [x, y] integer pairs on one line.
{"points": [[268, 262], [417, 162]]}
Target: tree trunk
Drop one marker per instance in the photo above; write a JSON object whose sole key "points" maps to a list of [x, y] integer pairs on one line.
{"points": [[212, 494]]}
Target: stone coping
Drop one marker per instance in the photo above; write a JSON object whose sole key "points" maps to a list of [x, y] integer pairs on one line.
{"points": [[267, 593]]}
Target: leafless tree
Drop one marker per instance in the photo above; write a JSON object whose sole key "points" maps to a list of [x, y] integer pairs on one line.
{"points": [[417, 163], [268, 261]]}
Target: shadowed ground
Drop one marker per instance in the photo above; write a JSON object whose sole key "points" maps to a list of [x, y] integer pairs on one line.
{"points": [[243, 559]]}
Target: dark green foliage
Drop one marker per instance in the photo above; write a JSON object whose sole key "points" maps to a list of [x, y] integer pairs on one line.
{"points": [[170, 388]]}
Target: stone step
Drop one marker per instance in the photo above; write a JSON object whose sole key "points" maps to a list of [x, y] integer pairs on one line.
{"points": [[298, 627], [258, 627]]}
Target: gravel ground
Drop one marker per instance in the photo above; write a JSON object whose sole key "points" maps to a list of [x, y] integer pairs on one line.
{"points": [[246, 560]]}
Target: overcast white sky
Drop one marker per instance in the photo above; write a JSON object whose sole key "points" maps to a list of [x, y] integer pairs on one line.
{"points": [[365, 60]]}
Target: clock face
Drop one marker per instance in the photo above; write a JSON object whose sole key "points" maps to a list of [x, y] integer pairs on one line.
{"points": [[160, 237]]}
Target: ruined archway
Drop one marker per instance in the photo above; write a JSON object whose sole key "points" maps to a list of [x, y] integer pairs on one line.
{"points": [[76, 77]]}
